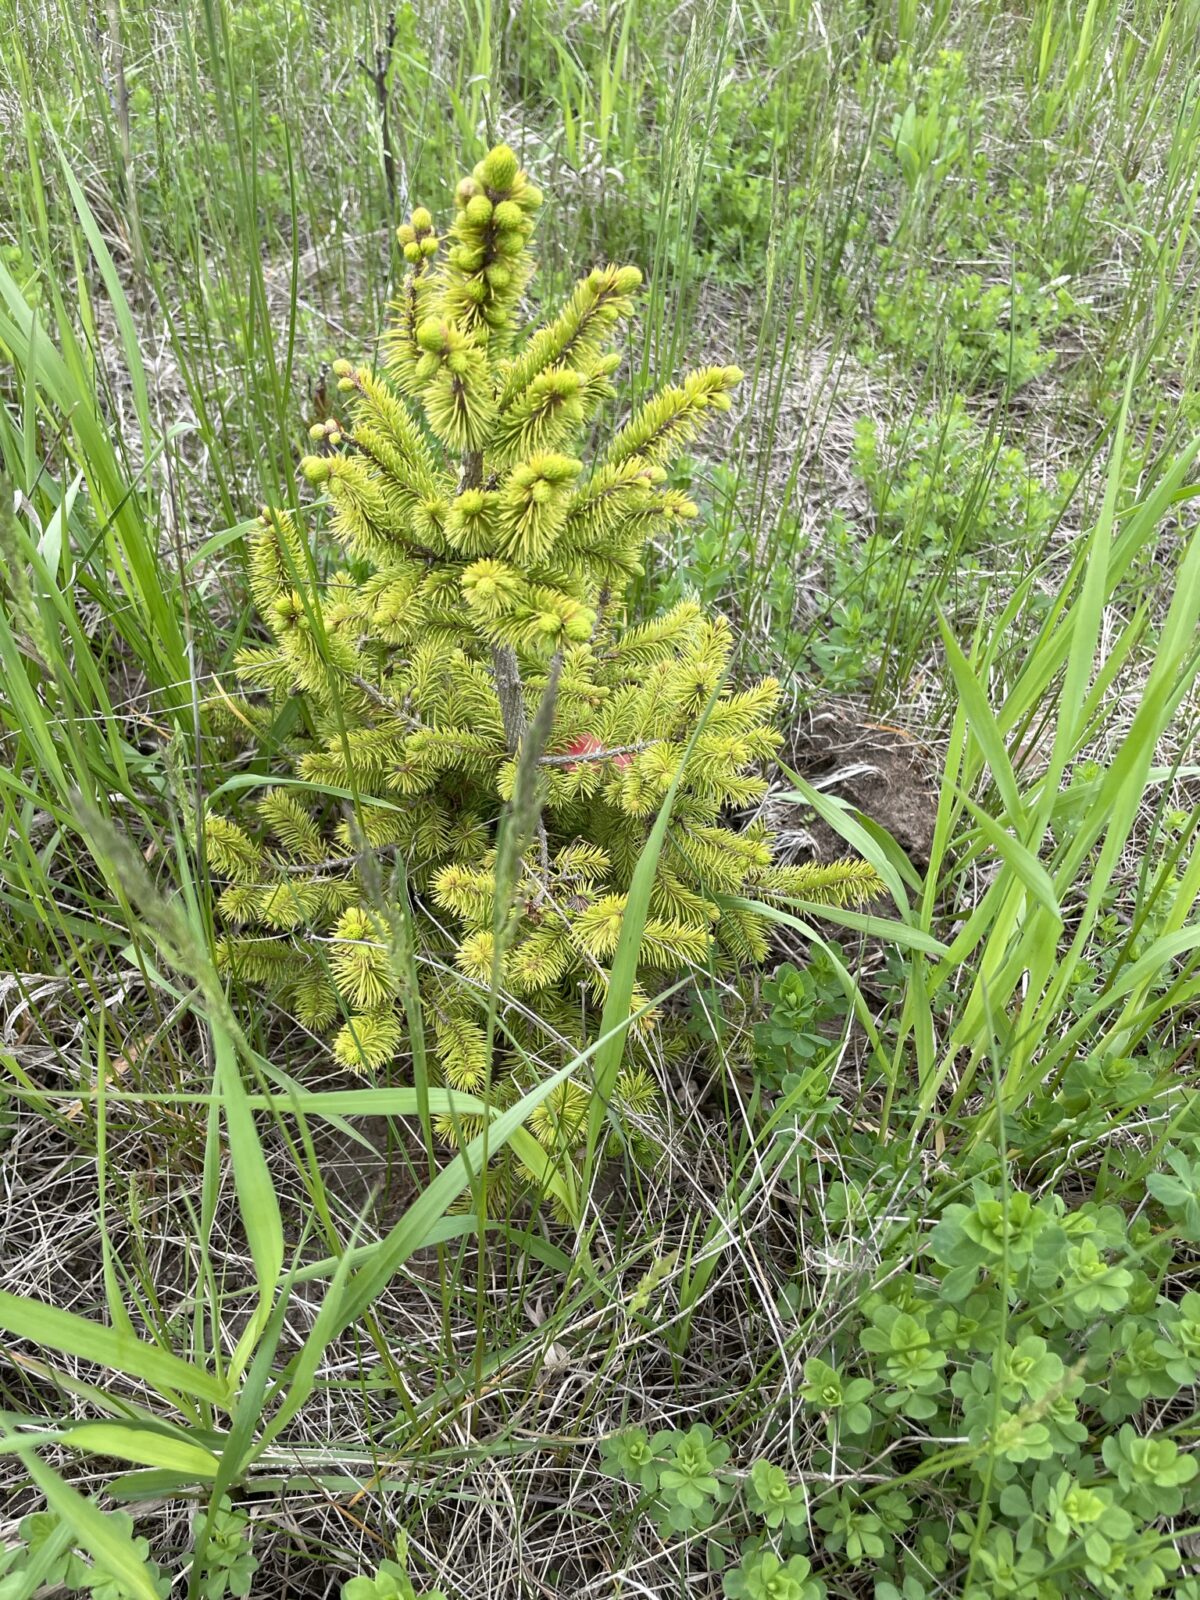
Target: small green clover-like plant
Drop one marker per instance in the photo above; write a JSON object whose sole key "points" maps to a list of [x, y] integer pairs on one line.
{"points": [[1047, 1500], [1019, 1437], [1008, 1574], [689, 1488], [910, 1360], [1106, 1226], [894, 1510], [68, 1570], [1180, 1344], [825, 1388], [852, 1526], [1092, 1283], [911, 1588], [1076, 1513], [772, 1497], [808, 1097], [1178, 1191], [1029, 1369], [1138, 1568], [107, 1586], [229, 1561], [1126, 1359], [799, 1001], [390, 1581], [631, 1455], [1027, 1372], [1151, 1469], [974, 1325], [763, 1575], [997, 1229], [1060, 1417], [1002, 1226], [33, 1532]]}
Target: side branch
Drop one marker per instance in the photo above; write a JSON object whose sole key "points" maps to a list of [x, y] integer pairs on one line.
{"points": [[597, 755]]}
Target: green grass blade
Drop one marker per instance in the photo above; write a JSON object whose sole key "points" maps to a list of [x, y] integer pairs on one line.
{"points": [[56, 1329], [257, 1201], [145, 1447], [982, 725], [1023, 862], [897, 933], [862, 841]]}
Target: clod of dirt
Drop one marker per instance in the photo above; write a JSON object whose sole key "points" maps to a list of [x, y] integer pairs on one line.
{"points": [[880, 770]]}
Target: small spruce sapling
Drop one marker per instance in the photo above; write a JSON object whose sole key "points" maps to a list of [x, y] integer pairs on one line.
{"points": [[483, 562]]}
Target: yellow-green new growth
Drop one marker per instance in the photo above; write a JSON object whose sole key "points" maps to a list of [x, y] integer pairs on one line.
{"points": [[486, 558]]}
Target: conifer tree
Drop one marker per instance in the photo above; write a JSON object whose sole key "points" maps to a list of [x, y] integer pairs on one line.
{"points": [[483, 564]]}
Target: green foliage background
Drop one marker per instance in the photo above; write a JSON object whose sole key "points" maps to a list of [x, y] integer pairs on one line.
{"points": [[900, 1298]]}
